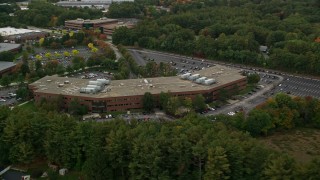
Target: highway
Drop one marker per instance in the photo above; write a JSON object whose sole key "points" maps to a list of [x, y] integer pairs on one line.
{"points": [[273, 81]]}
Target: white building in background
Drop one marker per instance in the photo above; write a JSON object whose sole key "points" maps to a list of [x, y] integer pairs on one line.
{"points": [[99, 4]]}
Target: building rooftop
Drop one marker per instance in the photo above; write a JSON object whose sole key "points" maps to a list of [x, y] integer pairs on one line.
{"points": [[117, 25], [93, 21], [8, 46], [8, 31], [132, 87], [5, 65]]}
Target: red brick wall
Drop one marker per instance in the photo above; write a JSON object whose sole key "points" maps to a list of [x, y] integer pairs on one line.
{"points": [[134, 102]]}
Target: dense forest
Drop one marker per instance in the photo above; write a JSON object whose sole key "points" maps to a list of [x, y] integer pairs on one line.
{"points": [[232, 31], [193, 147], [41, 14]]}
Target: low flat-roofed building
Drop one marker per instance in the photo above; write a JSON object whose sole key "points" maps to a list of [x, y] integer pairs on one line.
{"points": [[10, 47], [82, 23], [122, 95], [110, 28], [90, 3], [14, 34], [6, 67]]}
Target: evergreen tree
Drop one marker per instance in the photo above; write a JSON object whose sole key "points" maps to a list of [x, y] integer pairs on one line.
{"points": [[217, 165]]}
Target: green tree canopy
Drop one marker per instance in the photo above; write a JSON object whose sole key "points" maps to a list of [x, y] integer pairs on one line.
{"points": [[148, 102]]}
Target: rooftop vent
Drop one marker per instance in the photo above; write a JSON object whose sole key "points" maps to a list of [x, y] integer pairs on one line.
{"points": [[201, 80], [209, 82], [194, 77], [185, 76]]}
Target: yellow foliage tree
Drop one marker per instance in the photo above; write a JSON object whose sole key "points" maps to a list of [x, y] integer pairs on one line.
{"points": [[90, 45], [38, 57], [41, 41]]}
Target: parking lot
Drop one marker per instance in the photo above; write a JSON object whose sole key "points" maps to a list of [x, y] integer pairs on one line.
{"points": [[58, 54], [299, 86], [181, 64], [93, 75], [6, 97]]}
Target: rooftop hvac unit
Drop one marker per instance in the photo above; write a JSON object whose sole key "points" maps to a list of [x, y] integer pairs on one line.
{"points": [[60, 85], [185, 76], [95, 83], [87, 90], [104, 81], [201, 80], [209, 81], [193, 77], [98, 88]]}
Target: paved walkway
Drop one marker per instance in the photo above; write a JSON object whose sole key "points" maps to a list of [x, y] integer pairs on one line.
{"points": [[116, 50]]}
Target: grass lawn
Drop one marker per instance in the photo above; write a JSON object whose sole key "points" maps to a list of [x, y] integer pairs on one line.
{"points": [[29, 106], [302, 143]]}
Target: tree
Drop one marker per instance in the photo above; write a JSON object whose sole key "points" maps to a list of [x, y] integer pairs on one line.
{"points": [[109, 53], [38, 57], [5, 81], [22, 93], [279, 167], [90, 45], [223, 95], [69, 69], [78, 62], [75, 52], [66, 53], [187, 102], [253, 78], [258, 122], [94, 50], [199, 103], [163, 100], [6, 56], [48, 55], [312, 171], [76, 108], [59, 132], [173, 105], [217, 165], [41, 41], [70, 43], [283, 100], [148, 102]]}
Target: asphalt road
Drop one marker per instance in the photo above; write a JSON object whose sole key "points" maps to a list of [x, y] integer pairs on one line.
{"points": [[273, 81]]}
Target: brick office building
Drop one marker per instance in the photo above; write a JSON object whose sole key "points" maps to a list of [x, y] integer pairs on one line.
{"points": [[6, 68], [123, 95], [110, 28], [87, 24]]}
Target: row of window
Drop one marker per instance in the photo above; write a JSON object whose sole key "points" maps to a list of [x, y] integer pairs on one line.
{"points": [[127, 104], [124, 99]]}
